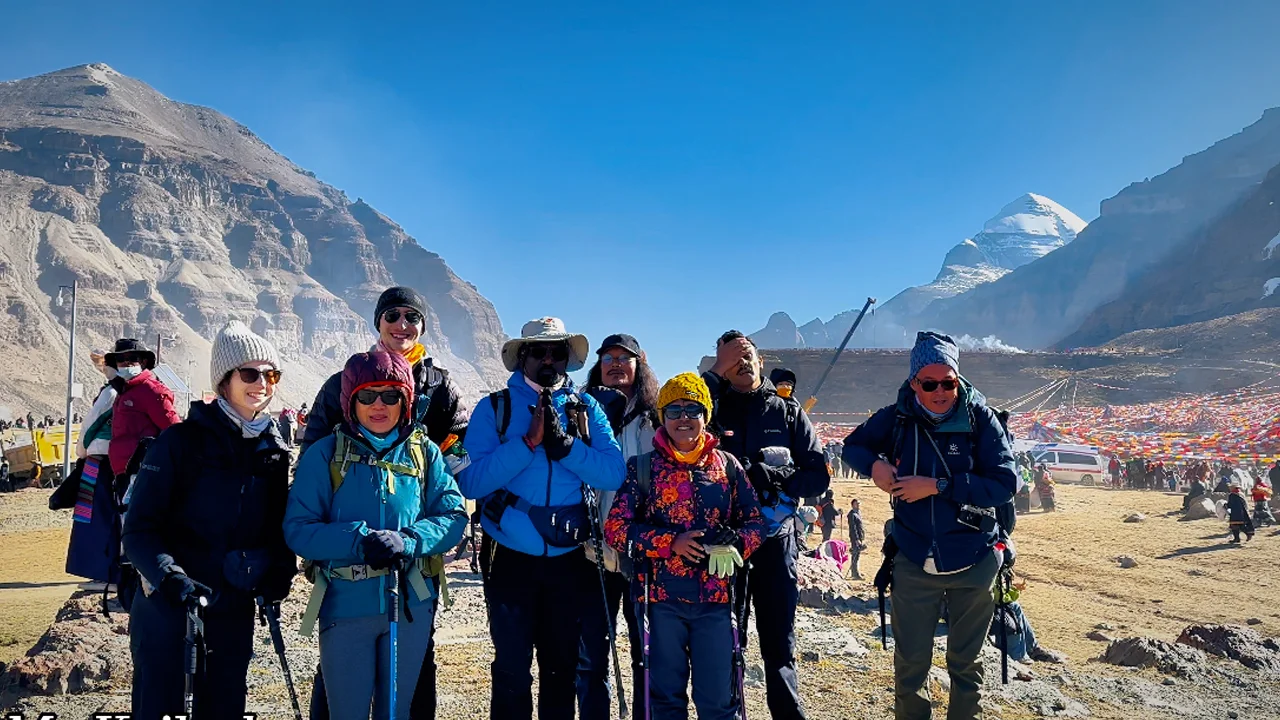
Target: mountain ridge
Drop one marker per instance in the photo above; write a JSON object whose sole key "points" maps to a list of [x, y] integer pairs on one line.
{"points": [[174, 218], [1024, 230]]}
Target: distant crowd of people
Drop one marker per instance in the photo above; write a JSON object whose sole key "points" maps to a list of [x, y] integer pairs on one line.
{"points": [[31, 423]]}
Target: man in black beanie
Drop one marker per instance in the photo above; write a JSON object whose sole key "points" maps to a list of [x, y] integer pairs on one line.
{"points": [[399, 318]]}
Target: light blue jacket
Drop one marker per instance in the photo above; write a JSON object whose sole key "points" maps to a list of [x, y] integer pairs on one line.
{"points": [[326, 527], [528, 473]]}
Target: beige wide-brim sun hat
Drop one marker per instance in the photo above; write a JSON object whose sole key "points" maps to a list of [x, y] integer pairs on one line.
{"points": [[546, 330]]}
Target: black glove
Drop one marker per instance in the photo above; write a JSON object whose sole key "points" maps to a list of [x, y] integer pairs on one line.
{"points": [[382, 548], [723, 535], [571, 426], [555, 441], [275, 587], [180, 589], [765, 483]]}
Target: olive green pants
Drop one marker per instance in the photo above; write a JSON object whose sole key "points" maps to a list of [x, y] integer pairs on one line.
{"points": [[917, 605]]}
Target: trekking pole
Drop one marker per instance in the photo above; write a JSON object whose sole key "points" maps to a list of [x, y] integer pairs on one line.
{"points": [[191, 652], [597, 545], [1003, 585], [393, 618], [738, 690], [269, 614], [813, 398], [648, 713]]}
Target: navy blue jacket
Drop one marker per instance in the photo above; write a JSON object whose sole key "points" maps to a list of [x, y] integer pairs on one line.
{"points": [[979, 465], [749, 422], [205, 492]]}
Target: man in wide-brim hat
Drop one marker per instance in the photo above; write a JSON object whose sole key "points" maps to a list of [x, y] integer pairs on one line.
{"points": [[529, 464], [543, 331]]}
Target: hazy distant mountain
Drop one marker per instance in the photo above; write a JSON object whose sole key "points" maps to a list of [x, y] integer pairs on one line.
{"points": [[1024, 230]]}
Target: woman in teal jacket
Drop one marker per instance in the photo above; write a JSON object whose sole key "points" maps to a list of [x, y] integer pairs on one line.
{"points": [[371, 498]]}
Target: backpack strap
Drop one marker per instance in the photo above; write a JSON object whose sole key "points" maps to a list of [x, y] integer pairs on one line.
{"points": [[644, 472], [501, 403], [346, 453]]}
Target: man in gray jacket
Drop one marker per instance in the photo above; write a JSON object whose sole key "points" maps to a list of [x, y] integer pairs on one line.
{"points": [[622, 369]]}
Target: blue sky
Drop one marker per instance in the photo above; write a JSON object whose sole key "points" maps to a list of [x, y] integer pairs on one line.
{"points": [[677, 169]]}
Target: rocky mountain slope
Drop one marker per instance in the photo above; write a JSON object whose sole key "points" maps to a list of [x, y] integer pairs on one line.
{"points": [[1045, 301], [1024, 231], [174, 218], [1228, 267], [1251, 334]]}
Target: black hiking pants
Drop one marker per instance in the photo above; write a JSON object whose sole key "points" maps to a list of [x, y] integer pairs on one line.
{"points": [[595, 667], [774, 595], [534, 604], [157, 631]]}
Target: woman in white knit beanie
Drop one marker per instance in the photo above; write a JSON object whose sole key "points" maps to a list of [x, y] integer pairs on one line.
{"points": [[205, 521]]}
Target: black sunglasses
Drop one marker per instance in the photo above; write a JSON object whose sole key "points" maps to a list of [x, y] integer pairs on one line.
{"points": [[930, 385], [413, 317], [369, 397], [250, 376], [674, 412], [559, 353]]}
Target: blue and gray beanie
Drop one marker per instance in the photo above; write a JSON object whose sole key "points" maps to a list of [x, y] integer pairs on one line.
{"points": [[934, 349]]}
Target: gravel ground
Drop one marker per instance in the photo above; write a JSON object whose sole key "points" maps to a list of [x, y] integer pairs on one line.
{"points": [[844, 672]]}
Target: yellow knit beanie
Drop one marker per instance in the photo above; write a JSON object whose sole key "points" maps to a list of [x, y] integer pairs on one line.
{"points": [[685, 386]]}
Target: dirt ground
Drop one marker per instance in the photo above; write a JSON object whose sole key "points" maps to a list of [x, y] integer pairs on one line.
{"points": [[33, 553], [1185, 574]]}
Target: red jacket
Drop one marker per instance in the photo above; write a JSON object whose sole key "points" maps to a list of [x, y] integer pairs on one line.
{"points": [[142, 409]]}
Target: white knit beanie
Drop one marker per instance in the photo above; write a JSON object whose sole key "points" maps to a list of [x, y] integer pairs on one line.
{"points": [[236, 345]]}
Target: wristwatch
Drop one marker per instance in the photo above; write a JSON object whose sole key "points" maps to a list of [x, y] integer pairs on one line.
{"points": [[942, 484]]}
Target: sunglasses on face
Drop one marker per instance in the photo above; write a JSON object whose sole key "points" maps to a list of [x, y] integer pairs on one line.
{"points": [[929, 386], [413, 317], [559, 353], [675, 412], [369, 397], [607, 360], [250, 376]]}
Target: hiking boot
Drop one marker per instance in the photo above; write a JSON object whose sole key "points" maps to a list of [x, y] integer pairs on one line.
{"points": [[1041, 654]]}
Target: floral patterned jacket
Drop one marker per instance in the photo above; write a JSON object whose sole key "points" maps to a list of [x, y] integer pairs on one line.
{"points": [[713, 492]]}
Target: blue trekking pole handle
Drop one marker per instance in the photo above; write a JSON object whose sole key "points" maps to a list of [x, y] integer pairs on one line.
{"points": [[393, 617]]}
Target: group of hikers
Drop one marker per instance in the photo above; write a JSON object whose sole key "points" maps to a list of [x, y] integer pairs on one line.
{"points": [[674, 503]]}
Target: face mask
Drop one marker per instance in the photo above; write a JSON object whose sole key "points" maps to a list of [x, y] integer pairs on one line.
{"points": [[548, 376], [130, 372], [110, 372], [784, 392]]}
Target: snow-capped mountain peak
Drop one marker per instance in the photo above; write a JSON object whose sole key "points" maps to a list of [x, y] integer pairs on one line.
{"points": [[1025, 230]]}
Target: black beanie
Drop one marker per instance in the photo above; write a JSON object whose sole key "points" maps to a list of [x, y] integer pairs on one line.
{"points": [[399, 296]]}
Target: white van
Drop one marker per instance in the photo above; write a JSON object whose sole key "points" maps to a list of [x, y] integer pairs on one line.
{"points": [[1081, 464]]}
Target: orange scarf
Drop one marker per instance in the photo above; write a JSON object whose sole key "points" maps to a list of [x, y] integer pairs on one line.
{"points": [[693, 456], [414, 355]]}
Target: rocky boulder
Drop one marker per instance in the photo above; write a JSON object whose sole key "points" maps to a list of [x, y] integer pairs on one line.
{"points": [[81, 652], [821, 583], [1201, 508], [1145, 652], [1245, 645]]}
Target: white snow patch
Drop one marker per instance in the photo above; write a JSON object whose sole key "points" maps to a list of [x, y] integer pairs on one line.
{"points": [[102, 74], [991, 343], [1270, 286], [1271, 246]]}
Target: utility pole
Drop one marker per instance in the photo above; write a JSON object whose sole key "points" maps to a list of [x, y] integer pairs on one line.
{"points": [[71, 377]]}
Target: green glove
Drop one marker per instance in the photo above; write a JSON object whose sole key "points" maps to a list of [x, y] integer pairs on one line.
{"points": [[723, 561]]}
